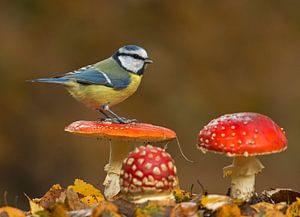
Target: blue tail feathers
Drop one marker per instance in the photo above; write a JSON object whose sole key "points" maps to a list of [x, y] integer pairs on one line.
{"points": [[60, 80]]}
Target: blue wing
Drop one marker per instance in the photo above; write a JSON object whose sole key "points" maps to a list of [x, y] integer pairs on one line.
{"points": [[87, 76], [90, 75]]}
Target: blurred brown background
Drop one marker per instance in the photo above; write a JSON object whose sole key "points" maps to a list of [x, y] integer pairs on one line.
{"points": [[211, 58]]}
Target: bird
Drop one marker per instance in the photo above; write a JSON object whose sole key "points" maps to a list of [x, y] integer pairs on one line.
{"points": [[108, 82]]}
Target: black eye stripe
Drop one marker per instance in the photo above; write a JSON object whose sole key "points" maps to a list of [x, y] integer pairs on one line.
{"points": [[136, 56]]}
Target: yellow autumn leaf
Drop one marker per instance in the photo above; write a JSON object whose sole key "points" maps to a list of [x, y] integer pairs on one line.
{"points": [[215, 201], [228, 210], [11, 212], [91, 194], [263, 206], [89, 200], [55, 187], [37, 210], [105, 209], [269, 213], [59, 211], [294, 209], [181, 195]]}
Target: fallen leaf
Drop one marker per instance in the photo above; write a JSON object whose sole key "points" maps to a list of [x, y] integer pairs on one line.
{"points": [[106, 209], [73, 202], [8, 211], [294, 209], [228, 210], [269, 213], [182, 196], [91, 195], [36, 209], [59, 210], [54, 195], [263, 206], [215, 201]]}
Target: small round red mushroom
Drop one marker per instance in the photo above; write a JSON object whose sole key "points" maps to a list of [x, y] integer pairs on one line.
{"points": [[148, 173], [242, 136], [122, 137]]}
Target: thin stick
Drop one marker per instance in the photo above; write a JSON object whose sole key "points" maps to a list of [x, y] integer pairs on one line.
{"points": [[5, 198], [181, 152]]}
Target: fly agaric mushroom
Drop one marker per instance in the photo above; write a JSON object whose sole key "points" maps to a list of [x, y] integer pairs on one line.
{"points": [[122, 137], [242, 136], [148, 173]]}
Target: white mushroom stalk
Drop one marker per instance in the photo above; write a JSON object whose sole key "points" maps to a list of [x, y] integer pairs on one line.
{"points": [[242, 172], [118, 152]]}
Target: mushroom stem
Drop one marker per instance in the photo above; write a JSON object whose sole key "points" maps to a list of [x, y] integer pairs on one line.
{"points": [[118, 152], [242, 172]]}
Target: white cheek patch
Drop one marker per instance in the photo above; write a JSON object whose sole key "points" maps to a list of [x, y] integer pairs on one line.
{"points": [[140, 52], [131, 64]]}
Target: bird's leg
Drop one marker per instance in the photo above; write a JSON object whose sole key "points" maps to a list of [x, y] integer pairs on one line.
{"points": [[106, 116], [119, 119]]}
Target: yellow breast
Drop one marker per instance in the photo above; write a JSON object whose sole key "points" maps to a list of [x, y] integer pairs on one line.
{"points": [[96, 95]]}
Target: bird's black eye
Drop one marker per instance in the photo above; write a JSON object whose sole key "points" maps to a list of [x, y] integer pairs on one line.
{"points": [[136, 56]]}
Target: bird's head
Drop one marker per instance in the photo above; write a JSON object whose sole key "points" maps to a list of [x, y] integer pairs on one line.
{"points": [[132, 58]]}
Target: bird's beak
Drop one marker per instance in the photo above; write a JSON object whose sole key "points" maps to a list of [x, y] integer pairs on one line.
{"points": [[148, 61]]}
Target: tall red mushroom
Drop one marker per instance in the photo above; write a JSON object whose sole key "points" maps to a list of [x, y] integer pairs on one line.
{"points": [[122, 139], [242, 136]]}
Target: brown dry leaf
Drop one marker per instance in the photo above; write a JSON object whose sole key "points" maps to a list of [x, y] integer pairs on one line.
{"points": [[106, 209], [54, 195], [91, 194], [228, 210], [11, 212], [265, 209], [73, 201], [294, 209]]}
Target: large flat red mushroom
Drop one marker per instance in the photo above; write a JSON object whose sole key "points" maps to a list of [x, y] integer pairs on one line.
{"points": [[122, 139], [242, 136]]}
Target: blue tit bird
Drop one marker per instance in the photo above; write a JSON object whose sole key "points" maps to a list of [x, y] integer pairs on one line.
{"points": [[108, 82]]}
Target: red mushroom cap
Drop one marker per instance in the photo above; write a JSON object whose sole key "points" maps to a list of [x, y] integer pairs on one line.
{"points": [[148, 170], [133, 131], [246, 134]]}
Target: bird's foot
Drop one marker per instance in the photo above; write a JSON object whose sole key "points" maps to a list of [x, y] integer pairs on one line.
{"points": [[120, 120]]}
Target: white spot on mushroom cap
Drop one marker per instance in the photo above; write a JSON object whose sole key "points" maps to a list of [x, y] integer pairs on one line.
{"points": [[141, 160], [139, 173], [148, 166], [156, 171], [150, 155], [164, 167], [170, 165], [130, 161], [159, 184]]}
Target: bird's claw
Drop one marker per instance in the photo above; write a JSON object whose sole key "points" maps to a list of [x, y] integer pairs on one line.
{"points": [[120, 120]]}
